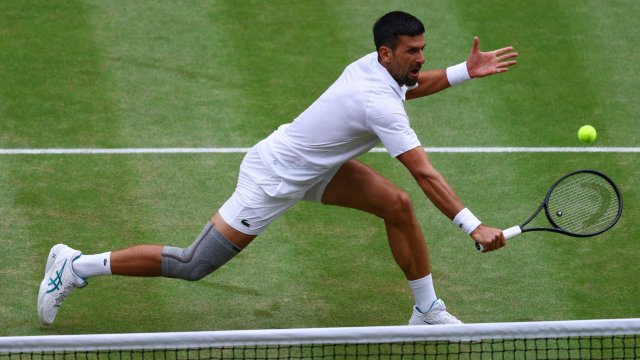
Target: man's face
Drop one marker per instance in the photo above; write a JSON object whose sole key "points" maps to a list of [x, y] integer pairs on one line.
{"points": [[405, 61]]}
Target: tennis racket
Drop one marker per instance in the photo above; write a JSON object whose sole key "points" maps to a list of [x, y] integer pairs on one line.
{"points": [[581, 204]]}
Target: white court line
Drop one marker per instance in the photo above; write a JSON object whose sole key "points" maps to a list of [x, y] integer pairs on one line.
{"points": [[240, 150]]}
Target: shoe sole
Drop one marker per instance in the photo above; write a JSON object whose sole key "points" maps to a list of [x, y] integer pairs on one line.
{"points": [[41, 293]]}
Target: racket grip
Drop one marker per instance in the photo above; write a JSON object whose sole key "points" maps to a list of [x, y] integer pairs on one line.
{"points": [[508, 234], [512, 232]]}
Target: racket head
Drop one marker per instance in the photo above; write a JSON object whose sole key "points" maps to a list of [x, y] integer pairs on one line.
{"points": [[583, 203]]}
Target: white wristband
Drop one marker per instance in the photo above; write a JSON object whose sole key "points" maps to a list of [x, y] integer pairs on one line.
{"points": [[457, 74], [466, 221]]}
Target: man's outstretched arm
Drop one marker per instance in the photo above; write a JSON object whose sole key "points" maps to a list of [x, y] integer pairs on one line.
{"points": [[438, 190], [479, 64]]}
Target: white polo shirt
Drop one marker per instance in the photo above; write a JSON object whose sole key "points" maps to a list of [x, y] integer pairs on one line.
{"points": [[362, 108]]}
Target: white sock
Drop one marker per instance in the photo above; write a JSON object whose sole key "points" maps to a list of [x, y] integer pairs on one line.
{"points": [[87, 266], [423, 292]]}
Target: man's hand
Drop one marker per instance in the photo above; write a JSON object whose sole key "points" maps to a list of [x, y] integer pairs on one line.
{"points": [[490, 238], [482, 64]]}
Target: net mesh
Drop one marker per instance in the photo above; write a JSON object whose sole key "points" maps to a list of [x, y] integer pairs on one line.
{"points": [[601, 339]]}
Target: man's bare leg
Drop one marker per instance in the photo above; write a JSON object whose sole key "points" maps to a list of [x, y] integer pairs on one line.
{"points": [[146, 259], [358, 186]]}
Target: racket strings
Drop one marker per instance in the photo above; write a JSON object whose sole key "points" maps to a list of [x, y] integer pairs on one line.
{"points": [[583, 204]]}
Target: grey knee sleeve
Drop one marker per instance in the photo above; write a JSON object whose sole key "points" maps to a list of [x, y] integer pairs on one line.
{"points": [[209, 251]]}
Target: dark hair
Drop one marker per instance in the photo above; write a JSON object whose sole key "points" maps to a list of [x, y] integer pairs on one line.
{"points": [[388, 29]]}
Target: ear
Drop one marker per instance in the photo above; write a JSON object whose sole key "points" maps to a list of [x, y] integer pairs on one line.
{"points": [[385, 54]]}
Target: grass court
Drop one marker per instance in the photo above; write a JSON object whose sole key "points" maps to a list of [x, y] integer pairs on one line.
{"points": [[224, 74]]}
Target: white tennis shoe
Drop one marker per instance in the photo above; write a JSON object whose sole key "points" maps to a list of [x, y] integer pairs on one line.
{"points": [[436, 315], [59, 280]]}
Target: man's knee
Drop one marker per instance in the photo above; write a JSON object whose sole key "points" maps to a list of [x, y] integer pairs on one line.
{"points": [[209, 251], [400, 206]]}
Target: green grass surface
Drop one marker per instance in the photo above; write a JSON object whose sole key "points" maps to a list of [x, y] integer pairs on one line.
{"points": [[225, 74]]}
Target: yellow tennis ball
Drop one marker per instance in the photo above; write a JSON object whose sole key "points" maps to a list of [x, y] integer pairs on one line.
{"points": [[587, 134]]}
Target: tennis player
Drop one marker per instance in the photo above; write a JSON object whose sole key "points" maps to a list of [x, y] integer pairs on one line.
{"points": [[313, 159]]}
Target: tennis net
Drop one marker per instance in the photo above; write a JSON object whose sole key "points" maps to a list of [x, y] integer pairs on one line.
{"points": [[579, 339]]}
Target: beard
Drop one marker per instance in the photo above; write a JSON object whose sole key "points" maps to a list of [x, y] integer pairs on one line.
{"points": [[410, 81], [410, 78]]}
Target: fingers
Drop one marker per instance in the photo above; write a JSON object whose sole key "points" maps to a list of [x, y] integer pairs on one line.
{"points": [[503, 65], [498, 53], [507, 56], [504, 50], [505, 53], [496, 243], [476, 44], [503, 61], [481, 64]]}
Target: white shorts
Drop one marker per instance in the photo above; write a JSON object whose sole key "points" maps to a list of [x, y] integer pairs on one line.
{"points": [[261, 196]]}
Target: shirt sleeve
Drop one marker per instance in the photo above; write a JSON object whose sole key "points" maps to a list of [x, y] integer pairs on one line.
{"points": [[391, 125]]}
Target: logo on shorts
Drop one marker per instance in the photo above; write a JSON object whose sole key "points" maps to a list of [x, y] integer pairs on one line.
{"points": [[245, 222]]}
